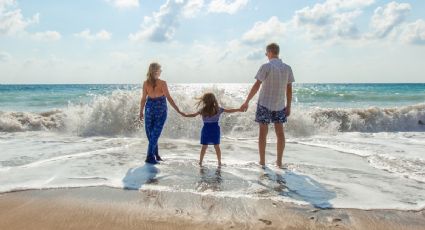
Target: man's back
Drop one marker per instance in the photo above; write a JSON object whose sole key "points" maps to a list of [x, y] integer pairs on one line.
{"points": [[274, 75]]}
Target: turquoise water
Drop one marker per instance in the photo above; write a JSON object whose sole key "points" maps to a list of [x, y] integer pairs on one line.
{"points": [[36, 98], [359, 95]]}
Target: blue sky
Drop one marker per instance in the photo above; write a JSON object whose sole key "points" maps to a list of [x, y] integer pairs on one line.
{"points": [[213, 41]]}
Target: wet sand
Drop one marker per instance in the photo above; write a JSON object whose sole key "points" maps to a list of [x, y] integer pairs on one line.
{"points": [[108, 208]]}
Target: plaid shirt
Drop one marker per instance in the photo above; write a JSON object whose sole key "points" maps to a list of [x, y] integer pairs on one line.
{"points": [[274, 75]]}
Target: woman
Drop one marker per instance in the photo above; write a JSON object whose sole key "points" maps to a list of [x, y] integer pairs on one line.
{"points": [[155, 96]]}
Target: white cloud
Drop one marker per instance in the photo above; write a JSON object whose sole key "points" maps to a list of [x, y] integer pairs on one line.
{"points": [[12, 21], [226, 6], [124, 3], [263, 31], [386, 18], [119, 55], [5, 3], [192, 8], [47, 36], [256, 54], [162, 25], [86, 34], [414, 33], [333, 18], [5, 57]]}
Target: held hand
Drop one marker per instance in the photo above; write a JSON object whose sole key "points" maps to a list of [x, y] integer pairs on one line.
{"points": [[244, 107], [288, 111]]}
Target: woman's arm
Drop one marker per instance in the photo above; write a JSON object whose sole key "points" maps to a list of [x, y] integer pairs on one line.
{"points": [[232, 110], [169, 98], [251, 94], [143, 101]]}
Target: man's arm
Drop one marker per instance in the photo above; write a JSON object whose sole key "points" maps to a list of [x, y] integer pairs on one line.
{"points": [[288, 99], [251, 94]]}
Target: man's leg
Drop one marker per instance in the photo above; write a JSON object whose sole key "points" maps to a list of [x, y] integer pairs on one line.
{"points": [[262, 140], [280, 135]]}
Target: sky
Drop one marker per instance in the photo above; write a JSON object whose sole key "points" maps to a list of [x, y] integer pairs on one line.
{"points": [[210, 41]]}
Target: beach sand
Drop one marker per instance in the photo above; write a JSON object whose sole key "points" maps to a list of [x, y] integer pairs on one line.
{"points": [[109, 208]]}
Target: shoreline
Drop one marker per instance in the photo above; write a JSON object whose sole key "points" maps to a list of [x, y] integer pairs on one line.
{"points": [[111, 208]]}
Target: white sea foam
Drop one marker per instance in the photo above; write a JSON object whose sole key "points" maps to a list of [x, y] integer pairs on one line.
{"points": [[117, 114], [319, 176]]}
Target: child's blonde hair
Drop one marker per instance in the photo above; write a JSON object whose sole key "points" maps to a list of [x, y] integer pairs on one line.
{"points": [[150, 76], [208, 104]]}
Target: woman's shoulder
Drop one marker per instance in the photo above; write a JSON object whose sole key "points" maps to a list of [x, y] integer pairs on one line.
{"points": [[159, 81]]}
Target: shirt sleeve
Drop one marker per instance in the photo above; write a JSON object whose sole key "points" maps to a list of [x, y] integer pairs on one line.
{"points": [[291, 76], [220, 110], [262, 73]]}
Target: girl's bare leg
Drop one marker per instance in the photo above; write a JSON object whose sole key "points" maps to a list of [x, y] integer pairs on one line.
{"points": [[201, 157], [218, 152]]}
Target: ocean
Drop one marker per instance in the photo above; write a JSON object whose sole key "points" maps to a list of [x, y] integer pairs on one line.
{"points": [[348, 145]]}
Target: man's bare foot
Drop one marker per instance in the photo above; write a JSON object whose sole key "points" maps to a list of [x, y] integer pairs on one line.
{"points": [[200, 163]]}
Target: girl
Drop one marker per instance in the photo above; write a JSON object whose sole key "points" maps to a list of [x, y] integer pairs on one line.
{"points": [[155, 96], [210, 134]]}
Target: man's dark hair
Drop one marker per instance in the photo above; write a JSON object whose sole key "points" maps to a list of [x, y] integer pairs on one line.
{"points": [[273, 48]]}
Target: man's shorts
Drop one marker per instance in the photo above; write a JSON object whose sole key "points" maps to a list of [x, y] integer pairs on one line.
{"points": [[265, 116]]}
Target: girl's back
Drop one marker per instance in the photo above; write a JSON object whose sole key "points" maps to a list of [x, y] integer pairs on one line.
{"points": [[213, 118]]}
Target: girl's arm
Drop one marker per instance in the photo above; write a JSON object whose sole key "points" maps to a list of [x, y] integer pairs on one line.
{"points": [[190, 114], [143, 101], [169, 98], [232, 110]]}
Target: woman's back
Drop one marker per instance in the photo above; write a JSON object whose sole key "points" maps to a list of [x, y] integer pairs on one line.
{"points": [[157, 91]]}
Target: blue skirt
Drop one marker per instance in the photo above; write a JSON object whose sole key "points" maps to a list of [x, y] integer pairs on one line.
{"points": [[210, 134]]}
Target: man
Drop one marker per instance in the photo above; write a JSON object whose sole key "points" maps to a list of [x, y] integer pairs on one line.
{"points": [[274, 102]]}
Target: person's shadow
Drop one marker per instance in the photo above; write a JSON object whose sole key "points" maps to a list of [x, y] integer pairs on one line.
{"points": [[138, 176], [298, 187]]}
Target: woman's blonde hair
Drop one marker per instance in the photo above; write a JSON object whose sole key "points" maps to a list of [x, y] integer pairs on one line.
{"points": [[150, 76], [208, 104]]}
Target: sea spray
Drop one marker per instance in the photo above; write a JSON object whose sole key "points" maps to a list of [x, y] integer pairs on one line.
{"points": [[118, 114]]}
